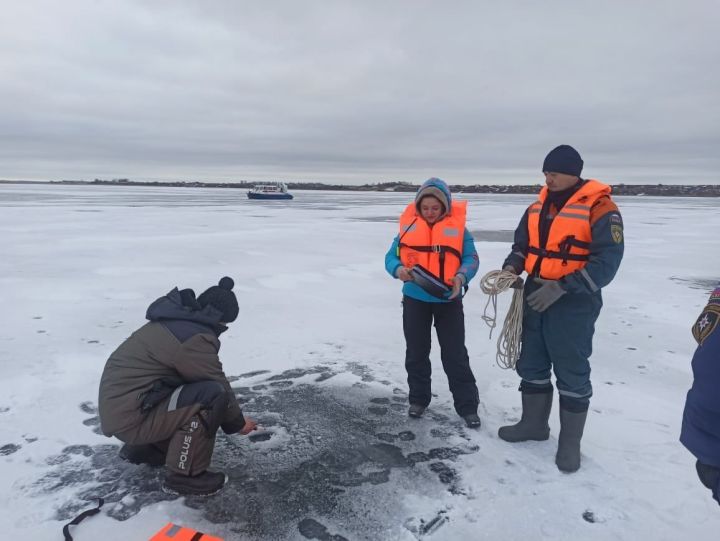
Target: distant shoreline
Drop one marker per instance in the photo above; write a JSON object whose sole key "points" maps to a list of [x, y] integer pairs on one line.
{"points": [[697, 190]]}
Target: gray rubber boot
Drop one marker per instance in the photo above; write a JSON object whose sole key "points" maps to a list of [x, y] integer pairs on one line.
{"points": [[571, 431], [533, 425]]}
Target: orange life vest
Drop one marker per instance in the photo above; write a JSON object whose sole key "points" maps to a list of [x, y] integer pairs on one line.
{"points": [[568, 243], [173, 532], [439, 247]]}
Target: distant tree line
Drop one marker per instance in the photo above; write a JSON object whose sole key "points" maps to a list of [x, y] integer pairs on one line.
{"points": [[700, 190]]}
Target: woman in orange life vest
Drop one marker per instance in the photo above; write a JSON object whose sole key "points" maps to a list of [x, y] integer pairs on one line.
{"points": [[433, 236], [570, 243]]}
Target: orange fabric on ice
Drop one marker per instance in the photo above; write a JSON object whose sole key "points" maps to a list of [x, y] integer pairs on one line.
{"points": [[173, 532]]}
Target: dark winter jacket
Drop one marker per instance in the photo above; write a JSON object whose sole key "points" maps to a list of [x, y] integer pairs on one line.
{"points": [[180, 345], [701, 419], [606, 248]]}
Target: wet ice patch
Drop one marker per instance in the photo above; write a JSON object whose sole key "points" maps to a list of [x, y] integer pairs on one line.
{"points": [[321, 463], [231, 379], [497, 235], [706, 284], [388, 219], [9, 449]]}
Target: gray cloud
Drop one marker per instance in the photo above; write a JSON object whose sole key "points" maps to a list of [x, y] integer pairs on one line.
{"points": [[358, 92]]}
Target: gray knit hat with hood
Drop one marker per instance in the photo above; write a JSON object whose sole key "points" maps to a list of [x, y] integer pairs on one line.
{"points": [[436, 188]]}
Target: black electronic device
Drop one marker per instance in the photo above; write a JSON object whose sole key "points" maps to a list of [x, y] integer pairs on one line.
{"points": [[429, 282]]}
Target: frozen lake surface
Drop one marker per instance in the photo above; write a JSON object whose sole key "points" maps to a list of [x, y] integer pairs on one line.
{"points": [[316, 356]]}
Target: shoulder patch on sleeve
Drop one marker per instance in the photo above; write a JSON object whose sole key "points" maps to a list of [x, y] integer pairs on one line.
{"points": [[617, 233], [706, 323]]}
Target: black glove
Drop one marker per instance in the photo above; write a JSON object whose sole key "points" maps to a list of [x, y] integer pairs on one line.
{"points": [[518, 284]]}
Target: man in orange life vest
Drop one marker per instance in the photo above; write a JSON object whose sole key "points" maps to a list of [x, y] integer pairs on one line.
{"points": [[433, 235], [570, 243]]}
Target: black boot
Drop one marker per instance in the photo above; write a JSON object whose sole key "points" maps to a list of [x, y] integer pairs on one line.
{"points": [[571, 431], [143, 454], [204, 484], [709, 477], [416, 410], [533, 424]]}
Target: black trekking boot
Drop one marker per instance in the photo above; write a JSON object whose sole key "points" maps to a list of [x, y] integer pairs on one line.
{"points": [[203, 484], [533, 426], [142, 454], [416, 410], [571, 430], [472, 420]]}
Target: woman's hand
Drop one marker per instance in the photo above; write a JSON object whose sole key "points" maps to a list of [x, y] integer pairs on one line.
{"points": [[403, 274], [458, 283]]}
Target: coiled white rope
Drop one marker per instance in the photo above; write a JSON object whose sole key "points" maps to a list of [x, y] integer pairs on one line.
{"points": [[509, 341]]}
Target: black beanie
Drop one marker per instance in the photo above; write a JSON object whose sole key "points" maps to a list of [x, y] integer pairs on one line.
{"points": [[563, 159], [222, 298]]}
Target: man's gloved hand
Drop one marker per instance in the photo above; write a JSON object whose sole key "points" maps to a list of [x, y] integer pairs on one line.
{"points": [[549, 292], [519, 282]]}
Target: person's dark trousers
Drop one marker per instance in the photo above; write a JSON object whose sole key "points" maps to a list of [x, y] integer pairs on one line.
{"points": [[559, 339], [449, 319], [185, 424]]}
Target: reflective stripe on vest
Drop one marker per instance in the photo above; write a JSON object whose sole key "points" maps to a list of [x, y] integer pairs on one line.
{"points": [[421, 244], [173, 532], [568, 243]]}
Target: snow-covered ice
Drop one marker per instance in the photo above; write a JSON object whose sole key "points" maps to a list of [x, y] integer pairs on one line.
{"points": [[317, 356]]}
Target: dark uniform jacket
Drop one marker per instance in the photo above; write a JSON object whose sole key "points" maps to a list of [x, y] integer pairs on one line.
{"points": [[180, 345], [701, 418]]}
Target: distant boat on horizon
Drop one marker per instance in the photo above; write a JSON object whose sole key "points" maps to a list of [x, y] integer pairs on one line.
{"points": [[269, 190]]}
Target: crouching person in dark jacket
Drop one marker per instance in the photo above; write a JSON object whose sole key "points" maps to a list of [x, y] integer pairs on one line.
{"points": [[164, 393], [701, 419]]}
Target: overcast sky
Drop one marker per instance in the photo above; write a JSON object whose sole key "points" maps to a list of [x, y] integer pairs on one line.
{"points": [[355, 92]]}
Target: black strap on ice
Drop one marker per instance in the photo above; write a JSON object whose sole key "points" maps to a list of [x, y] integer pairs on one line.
{"points": [[82, 516]]}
